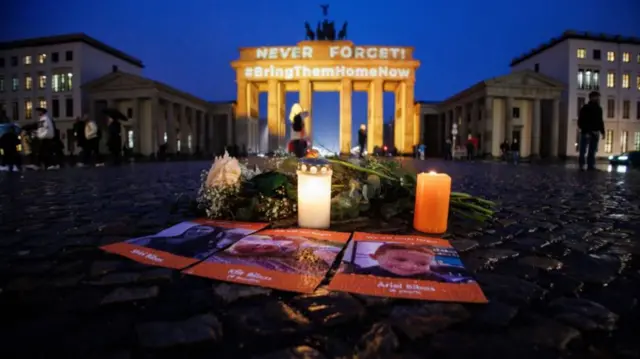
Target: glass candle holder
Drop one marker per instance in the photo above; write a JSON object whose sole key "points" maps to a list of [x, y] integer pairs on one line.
{"points": [[314, 193]]}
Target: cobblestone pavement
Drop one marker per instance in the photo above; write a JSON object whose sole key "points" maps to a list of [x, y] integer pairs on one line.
{"points": [[559, 267]]}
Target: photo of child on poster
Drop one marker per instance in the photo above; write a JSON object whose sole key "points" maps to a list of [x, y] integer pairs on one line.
{"points": [[396, 260], [291, 254], [413, 267], [185, 243], [288, 259]]}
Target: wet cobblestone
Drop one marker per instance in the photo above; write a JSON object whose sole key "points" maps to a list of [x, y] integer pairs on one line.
{"points": [[560, 266]]}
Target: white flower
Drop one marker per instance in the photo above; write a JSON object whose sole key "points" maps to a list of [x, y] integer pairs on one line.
{"points": [[225, 171]]}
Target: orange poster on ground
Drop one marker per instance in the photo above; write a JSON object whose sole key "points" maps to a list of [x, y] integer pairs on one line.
{"points": [[288, 259], [185, 243], [413, 267]]}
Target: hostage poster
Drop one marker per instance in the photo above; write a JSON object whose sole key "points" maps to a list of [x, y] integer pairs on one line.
{"points": [[412, 267], [185, 243], [288, 259]]}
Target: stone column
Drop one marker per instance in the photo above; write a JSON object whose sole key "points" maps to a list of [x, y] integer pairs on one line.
{"points": [[172, 140], [211, 144], [276, 114], [346, 96], [555, 128], [496, 125], [137, 129], [464, 124], [475, 118], [156, 118], [306, 98], [404, 126], [375, 115], [184, 130], [448, 117], [536, 128], [201, 132], [418, 126], [146, 136], [508, 135]]}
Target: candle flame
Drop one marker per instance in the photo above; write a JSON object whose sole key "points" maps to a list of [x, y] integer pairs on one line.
{"points": [[433, 173]]}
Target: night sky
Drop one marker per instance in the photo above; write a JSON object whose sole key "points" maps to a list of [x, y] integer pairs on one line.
{"points": [[189, 44]]}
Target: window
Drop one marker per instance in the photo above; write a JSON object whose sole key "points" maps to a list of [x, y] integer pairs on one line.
{"points": [[611, 108], [624, 139], [611, 56], [597, 54], [61, 82], [68, 55], [42, 58], [608, 141], [582, 53], [15, 83], [625, 81], [129, 113], [28, 82], [611, 79], [588, 79], [189, 141], [28, 109], [536, 67], [42, 81], [14, 61], [55, 57], [68, 104], [27, 60], [626, 109], [1, 83], [638, 82], [15, 113], [636, 141], [1, 62], [516, 112], [581, 102], [130, 139], [626, 57], [55, 108], [638, 110], [42, 103]]}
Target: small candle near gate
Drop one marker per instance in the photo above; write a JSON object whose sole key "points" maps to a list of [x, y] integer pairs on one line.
{"points": [[433, 194]]}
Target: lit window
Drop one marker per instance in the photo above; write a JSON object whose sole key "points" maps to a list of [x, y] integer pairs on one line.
{"points": [[28, 82], [582, 53], [636, 141], [611, 56], [638, 82], [624, 138], [42, 58], [608, 141], [62, 82], [596, 80], [178, 145], [626, 57], [42, 81], [588, 79], [130, 138], [625, 81], [15, 83], [42, 103], [611, 79], [638, 58], [189, 141], [27, 60], [165, 137], [28, 109], [580, 79]]}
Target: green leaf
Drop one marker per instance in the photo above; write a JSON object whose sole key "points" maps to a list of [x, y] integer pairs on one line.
{"points": [[266, 183]]}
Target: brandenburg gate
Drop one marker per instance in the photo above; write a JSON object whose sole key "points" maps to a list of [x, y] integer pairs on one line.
{"points": [[324, 66]]}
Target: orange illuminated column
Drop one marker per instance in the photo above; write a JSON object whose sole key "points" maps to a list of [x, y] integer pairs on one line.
{"points": [[433, 193]]}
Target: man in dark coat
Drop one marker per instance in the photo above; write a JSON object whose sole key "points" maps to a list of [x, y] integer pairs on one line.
{"points": [[78, 133], [362, 139], [114, 141], [591, 127]]}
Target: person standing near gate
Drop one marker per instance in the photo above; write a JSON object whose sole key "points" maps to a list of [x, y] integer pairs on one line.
{"points": [[591, 127], [45, 134], [114, 141], [362, 139], [80, 138]]}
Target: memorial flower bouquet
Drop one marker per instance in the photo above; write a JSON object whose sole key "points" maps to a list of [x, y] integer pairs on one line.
{"points": [[234, 190]]}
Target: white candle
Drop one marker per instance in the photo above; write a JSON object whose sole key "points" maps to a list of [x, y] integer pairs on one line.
{"points": [[314, 195]]}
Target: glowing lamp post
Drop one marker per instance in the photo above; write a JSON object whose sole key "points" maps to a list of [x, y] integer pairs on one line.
{"points": [[433, 194], [314, 193]]}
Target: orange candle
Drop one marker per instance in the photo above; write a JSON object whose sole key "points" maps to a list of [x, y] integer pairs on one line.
{"points": [[433, 194]]}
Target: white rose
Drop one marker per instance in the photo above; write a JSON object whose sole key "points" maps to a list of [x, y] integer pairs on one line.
{"points": [[225, 171]]}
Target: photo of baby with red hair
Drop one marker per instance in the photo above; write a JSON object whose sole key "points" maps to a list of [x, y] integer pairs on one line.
{"points": [[288, 254]]}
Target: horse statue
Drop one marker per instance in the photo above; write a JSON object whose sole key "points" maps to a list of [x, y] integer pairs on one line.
{"points": [[325, 9], [310, 34], [342, 35], [320, 35]]}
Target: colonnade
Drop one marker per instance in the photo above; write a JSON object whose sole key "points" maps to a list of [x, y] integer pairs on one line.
{"points": [[406, 125], [492, 120]]}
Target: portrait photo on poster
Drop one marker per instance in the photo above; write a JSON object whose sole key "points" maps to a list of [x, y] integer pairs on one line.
{"points": [[398, 260], [288, 259], [185, 243]]}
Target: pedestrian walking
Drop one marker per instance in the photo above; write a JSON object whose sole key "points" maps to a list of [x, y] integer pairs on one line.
{"points": [[591, 126], [92, 143], [45, 134], [362, 140], [9, 142], [80, 139]]}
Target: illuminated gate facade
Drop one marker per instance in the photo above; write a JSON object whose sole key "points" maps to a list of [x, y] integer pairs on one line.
{"points": [[337, 66]]}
